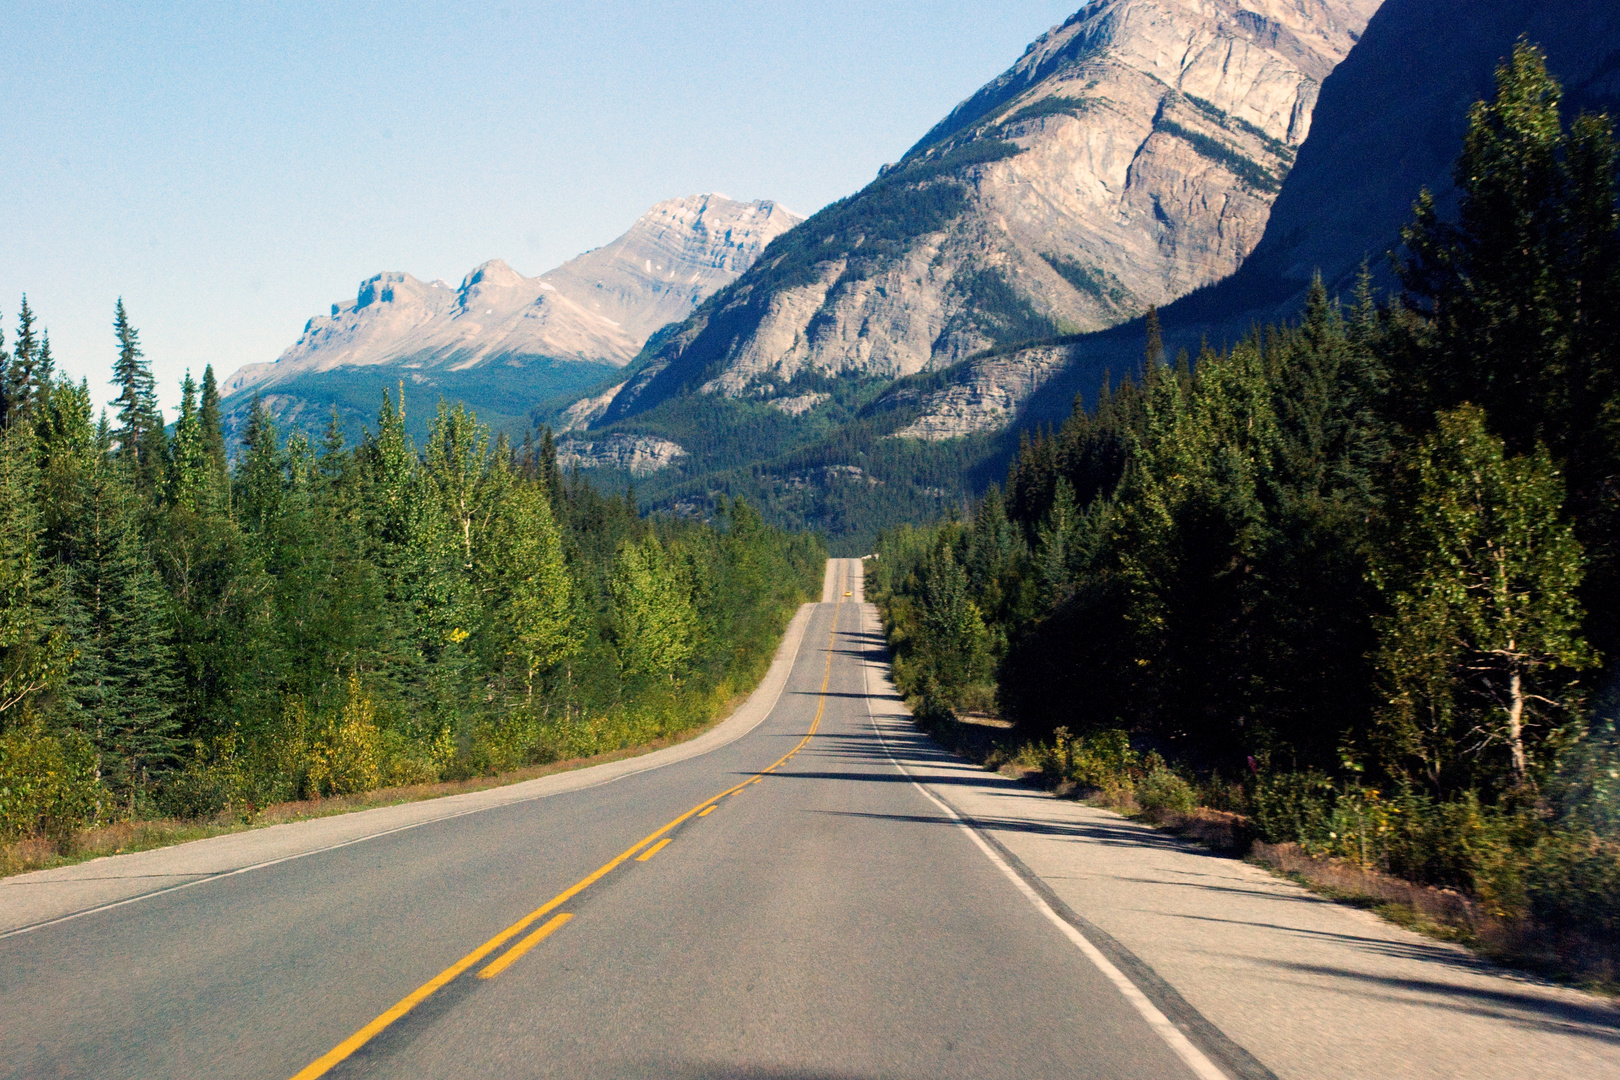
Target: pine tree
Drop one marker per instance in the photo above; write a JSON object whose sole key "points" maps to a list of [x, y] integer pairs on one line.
{"points": [[33, 655], [136, 402], [44, 372], [5, 387], [213, 433], [550, 475], [21, 376], [1153, 353], [189, 483], [957, 653], [258, 485]]}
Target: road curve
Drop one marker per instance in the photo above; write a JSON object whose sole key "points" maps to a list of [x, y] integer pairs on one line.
{"points": [[782, 906]]}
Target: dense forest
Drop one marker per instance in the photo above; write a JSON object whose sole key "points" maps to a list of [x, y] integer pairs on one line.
{"points": [[1356, 578], [185, 635]]}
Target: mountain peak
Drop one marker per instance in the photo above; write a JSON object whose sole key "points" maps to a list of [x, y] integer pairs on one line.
{"points": [[1128, 157], [598, 308], [495, 273]]}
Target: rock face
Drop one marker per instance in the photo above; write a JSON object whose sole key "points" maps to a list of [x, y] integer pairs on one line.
{"points": [[1389, 122], [599, 308], [1130, 156], [985, 396], [637, 455]]}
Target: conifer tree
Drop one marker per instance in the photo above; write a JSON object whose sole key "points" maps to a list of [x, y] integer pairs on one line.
{"points": [[33, 655], [5, 388], [1153, 353], [957, 653], [213, 432], [550, 475], [189, 482], [21, 377], [136, 403]]}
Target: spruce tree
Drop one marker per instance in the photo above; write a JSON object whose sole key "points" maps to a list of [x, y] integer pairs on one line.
{"points": [[1153, 353], [22, 376], [136, 403], [33, 655], [189, 483], [213, 432]]}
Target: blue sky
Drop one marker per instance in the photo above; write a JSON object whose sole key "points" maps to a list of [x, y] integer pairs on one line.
{"points": [[233, 169]]}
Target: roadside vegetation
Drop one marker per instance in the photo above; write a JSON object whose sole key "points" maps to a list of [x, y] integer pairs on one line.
{"points": [[187, 639], [1351, 588]]}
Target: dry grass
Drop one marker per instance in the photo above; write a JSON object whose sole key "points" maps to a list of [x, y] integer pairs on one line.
{"points": [[118, 838], [1443, 914]]}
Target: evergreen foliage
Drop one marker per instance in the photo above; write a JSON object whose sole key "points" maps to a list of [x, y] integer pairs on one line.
{"points": [[1366, 560], [182, 635]]}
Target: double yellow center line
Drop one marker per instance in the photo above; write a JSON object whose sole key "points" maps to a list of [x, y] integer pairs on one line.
{"points": [[325, 1063]]}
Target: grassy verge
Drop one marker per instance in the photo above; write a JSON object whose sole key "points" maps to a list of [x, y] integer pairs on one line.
{"points": [[118, 838], [1441, 914]]}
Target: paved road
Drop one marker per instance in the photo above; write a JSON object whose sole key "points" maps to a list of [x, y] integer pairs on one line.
{"points": [[816, 922]]}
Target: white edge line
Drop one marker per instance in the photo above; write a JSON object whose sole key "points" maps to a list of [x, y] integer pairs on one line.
{"points": [[205, 879], [1172, 1035]]}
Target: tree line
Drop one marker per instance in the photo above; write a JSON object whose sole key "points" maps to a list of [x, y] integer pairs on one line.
{"points": [[1357, 576], [185, 632]]}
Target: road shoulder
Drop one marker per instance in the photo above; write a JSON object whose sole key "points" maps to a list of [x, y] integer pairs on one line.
{"points": [[1308, 987], [45, 896]]}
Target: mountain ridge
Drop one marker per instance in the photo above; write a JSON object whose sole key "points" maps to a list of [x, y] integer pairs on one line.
{"points": [[1129, 156], [506, 342]]}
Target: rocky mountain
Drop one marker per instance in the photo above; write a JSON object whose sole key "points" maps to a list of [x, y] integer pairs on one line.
{"points": [[1389, 122], [1130, 156], [557, 332]]}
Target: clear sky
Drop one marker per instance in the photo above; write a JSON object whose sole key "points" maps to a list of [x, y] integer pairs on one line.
{"points": [[231, 169]]}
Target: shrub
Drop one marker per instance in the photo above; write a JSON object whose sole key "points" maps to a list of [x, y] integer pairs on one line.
{"points": [[1295, 808], [48, 784], [345, 756], [1163, 789]]}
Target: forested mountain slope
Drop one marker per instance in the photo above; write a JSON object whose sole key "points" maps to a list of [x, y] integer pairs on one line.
{"points": [[1389, 122]]}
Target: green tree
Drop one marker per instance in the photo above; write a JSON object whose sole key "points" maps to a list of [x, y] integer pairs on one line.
{"points": [[25, 381], [655, 627], [213, 433], [957, 651], [136, 404], [190, 480], [524, 580], [1478, 652], [33, 654]]}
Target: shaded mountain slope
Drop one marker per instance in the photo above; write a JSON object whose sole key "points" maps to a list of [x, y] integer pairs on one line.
{"points": [[1389, 122]]}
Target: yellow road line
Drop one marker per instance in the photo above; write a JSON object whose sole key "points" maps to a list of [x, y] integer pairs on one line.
{"points": [[502, 962], [324, 1064], [655, 849], [706, 813]]}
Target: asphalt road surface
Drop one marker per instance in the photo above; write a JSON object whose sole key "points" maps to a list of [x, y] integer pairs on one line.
{"points": [[789, 905]]}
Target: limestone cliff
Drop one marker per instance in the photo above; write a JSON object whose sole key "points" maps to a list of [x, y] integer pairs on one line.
{"points": [[1389, 123], [1131, 155]]}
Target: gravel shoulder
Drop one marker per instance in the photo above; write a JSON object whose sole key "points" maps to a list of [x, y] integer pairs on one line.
{"points": [[1310, 988]]}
